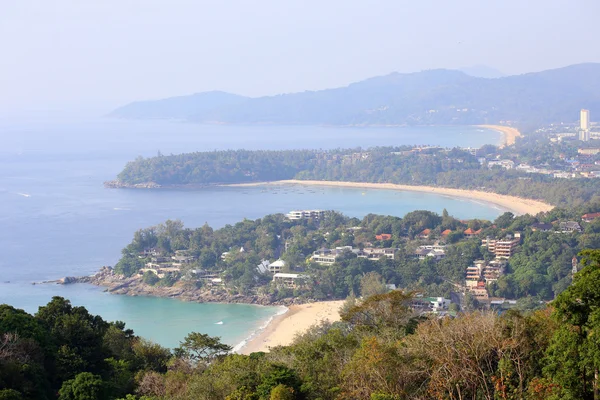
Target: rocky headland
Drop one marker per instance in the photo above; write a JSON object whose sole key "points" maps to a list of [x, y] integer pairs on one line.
{"points": [[116, 184], [185, 291]]}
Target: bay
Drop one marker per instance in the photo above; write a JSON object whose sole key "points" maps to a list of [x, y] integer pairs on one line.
{"points": [[57, 219]]}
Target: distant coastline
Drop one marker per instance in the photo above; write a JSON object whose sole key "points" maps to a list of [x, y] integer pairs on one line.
{"points": [[510, 134], [517, 205]]}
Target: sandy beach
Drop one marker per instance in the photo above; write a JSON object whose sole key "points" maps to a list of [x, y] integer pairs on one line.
{"points": [[517, 205], [284, 328], [510, 134]]}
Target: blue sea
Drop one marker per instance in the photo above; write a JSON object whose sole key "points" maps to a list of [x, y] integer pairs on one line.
{"points": [[58, 220]]}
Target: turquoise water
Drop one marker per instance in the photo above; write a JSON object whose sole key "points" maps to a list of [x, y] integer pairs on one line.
{"points": [[58, 220]]}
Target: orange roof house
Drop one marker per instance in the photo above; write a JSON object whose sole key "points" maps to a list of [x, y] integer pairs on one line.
{"points": [[446, 232], [470, 232], [425, 233], [383, 236], [589, 217]]}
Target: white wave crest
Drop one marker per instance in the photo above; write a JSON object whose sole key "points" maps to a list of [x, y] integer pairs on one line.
{"points": [[257, 332]]}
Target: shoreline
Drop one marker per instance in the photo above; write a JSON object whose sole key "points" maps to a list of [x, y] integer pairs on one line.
{"points": [[283, 328], [510, 134], [517, 205]]}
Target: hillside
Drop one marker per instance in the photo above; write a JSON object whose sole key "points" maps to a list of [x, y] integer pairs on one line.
{"points": [[427, 97], [181, 107]]}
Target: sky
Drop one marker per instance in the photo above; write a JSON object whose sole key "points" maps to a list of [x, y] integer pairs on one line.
{"points": [[75, 55]]}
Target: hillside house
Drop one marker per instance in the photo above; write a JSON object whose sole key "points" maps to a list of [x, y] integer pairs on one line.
{"points": [[425, 234], [297, 215], [589, 217], [542, 227], [329, 256], [371, 253], [569, 227], [290, 281], [435, 251], [276, 266], [471, 232]]}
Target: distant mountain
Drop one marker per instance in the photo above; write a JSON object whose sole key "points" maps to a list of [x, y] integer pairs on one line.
{"points": [[428, 97], [482, 71], [181, 107]]}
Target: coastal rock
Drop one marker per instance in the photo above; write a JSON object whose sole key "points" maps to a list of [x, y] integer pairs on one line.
{"points": [[134, 286], [116, 184]]}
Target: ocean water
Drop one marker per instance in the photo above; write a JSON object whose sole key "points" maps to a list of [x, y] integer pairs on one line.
{"points": [[57, 220]]}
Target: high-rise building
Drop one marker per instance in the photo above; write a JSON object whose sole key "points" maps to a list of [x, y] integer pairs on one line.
{"points": [[584, 136], [584, 123]]}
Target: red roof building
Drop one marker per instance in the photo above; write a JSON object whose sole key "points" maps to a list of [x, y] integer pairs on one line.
{"points": [[425, 233], [589, 217], [383, 236]]}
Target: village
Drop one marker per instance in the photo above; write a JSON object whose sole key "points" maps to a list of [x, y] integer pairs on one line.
{"points": [[430, 245]]}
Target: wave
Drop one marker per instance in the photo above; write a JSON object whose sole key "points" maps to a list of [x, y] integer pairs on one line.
{"points": [[258, 331], [121, 209], [219, 323], [24, 194]]}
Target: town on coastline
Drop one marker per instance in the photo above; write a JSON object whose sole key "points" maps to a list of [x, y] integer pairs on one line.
{"points": [[316, 255]]}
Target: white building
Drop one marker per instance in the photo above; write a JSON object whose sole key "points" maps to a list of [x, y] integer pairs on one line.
{"points": [[296, 215], [506, 164], [330, 256], [584, 121], [276, 266], [372, 253], [289, 281]]}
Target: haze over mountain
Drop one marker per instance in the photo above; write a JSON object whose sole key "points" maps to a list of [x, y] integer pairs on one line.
{"points": [[482, 71], [428, 97]]}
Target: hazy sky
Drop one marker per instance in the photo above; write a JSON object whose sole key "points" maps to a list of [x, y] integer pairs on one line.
{"points": [[88, 54]]}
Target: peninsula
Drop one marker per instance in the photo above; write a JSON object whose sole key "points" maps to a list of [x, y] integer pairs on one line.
{"points": [[533, 169]]}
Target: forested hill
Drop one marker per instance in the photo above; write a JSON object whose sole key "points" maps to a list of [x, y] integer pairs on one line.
{"points": [[427, 97], [181, 107], [401, 165]]}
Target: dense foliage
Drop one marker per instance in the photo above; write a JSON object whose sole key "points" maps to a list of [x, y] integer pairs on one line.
{"points": [[540, 268], [380, 350], [435, 167]]}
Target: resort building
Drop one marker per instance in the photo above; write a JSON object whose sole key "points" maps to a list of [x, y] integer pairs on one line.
{"points": [[276, 266], [425, 234], [435, 251], [569, 227], [584, 121], [329, 256], [290, 281], [506, 164], [503, 248], [471, 232], [542, 227], [589, 152], [376, 253], [484, 272], [305, 214], [589, 217]]}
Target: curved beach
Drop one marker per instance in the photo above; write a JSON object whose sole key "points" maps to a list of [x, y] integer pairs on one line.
{"points": [[510, 134], [517, 205], [283, 328]]}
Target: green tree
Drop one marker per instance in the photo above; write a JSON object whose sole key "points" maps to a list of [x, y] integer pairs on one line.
{"points": [[282, 392], [10, 394], [85, 386], [371, 284], [573, 358], [199, 347]]}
